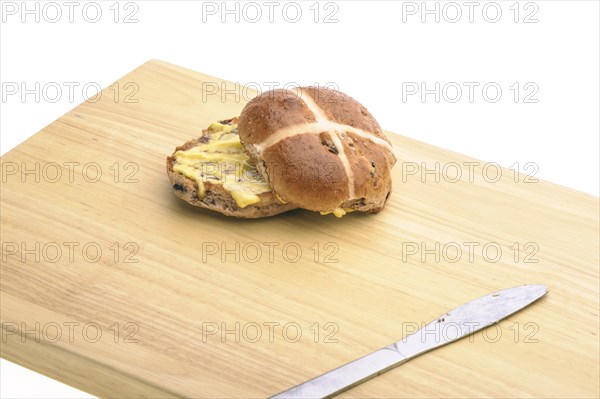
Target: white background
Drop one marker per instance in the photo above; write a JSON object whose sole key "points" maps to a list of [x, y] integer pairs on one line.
{"points": [[378, 52]]}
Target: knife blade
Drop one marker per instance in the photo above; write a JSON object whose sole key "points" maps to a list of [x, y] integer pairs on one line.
{"points": [[449, 327]]}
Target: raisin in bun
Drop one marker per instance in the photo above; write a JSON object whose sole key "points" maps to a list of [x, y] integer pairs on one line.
{"points": [[319, 149]]}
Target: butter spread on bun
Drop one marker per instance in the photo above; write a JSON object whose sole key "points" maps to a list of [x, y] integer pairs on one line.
{"points": [[213, 171]]}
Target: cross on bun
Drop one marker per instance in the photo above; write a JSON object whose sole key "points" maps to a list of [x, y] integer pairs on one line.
{"points": [[319, 149]]}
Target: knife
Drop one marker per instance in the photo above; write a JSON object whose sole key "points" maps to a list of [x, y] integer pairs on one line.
{"points": [[449, 327]]}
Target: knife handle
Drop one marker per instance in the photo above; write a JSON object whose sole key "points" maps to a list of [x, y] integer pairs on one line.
{"points": [[347, 376]]}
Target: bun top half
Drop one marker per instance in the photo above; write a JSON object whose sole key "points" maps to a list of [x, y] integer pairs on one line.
{"points": [[319, 149]]}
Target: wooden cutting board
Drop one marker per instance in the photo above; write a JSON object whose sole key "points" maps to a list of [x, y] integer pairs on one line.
{"points": [[113, 285]]}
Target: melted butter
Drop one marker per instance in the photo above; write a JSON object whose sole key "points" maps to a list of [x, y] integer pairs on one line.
{"points": [[338, 212], [221, 159], [280, 199]]}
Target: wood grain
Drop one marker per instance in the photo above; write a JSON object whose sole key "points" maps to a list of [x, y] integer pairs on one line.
{"points": [[365, 286]]}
